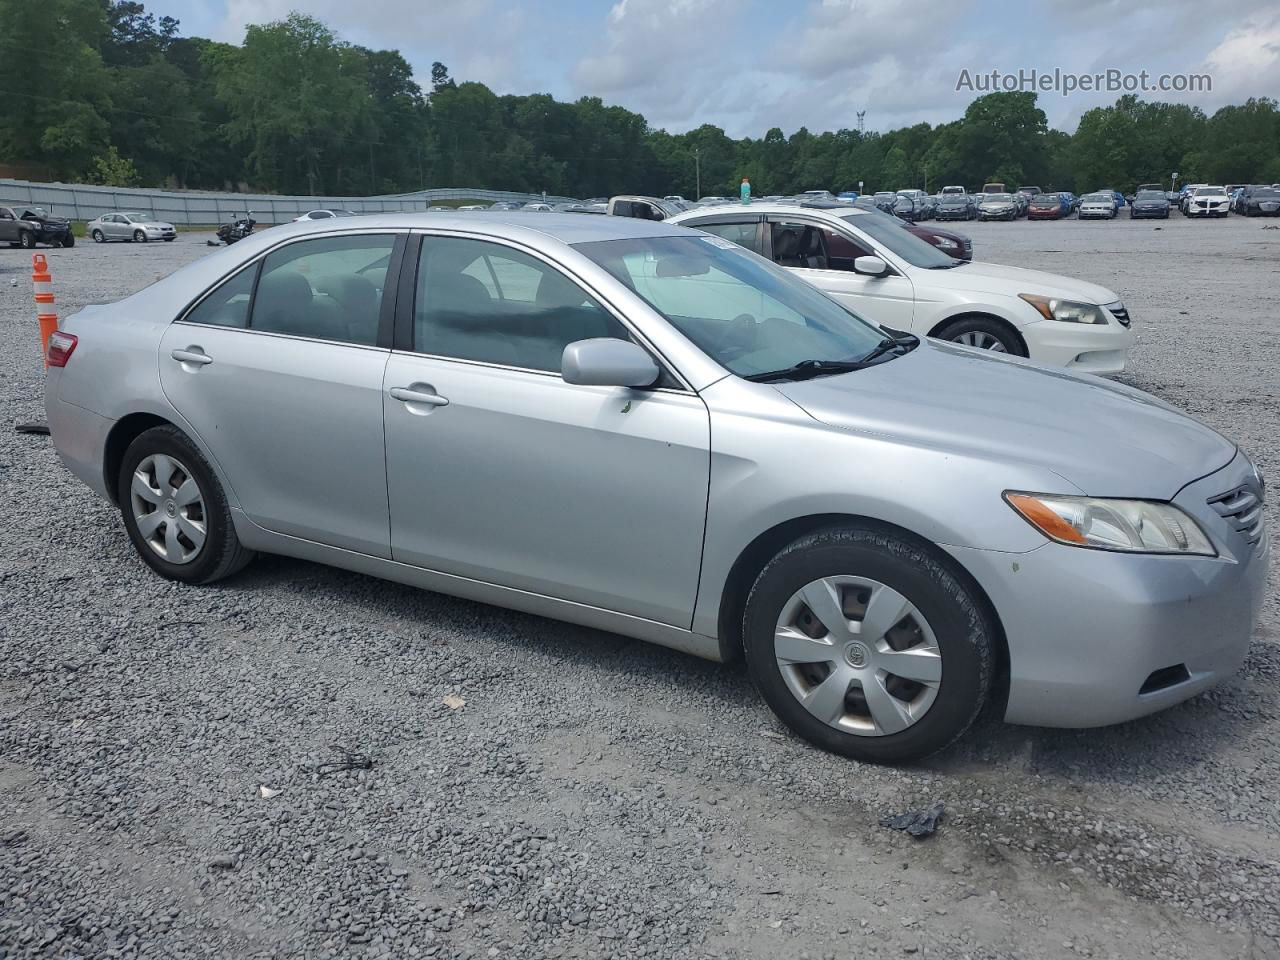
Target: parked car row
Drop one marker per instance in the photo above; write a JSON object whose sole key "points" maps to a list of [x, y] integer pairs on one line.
{"points": [[739, 440]]}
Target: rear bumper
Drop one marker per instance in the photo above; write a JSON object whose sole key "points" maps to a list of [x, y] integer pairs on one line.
{"points": [[1088, 629], [79, 436]]}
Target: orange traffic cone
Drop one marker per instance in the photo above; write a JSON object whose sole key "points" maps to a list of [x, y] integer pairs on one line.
{"points": [[46, 315]]}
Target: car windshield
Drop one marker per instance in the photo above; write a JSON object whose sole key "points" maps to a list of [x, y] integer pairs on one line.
{"points": [[1265, 192], [889, 233], [748, 315], [1101, 198], [1209, 191], [1046, 200], [1150, 195], [953, 198], [139, 217], [37, 212], [998, 198]]}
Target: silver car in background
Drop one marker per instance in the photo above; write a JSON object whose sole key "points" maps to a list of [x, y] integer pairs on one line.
{"points": [[650, 430], [137, 227]]}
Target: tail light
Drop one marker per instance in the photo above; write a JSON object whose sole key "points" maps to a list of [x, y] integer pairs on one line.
{"points": [[61, 346]]}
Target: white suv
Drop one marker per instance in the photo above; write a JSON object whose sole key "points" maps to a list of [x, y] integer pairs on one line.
{"points": [[867, 261]]}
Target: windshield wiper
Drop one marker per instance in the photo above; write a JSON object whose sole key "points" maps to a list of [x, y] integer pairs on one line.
{"points": [[908, 340], [806, 369]]}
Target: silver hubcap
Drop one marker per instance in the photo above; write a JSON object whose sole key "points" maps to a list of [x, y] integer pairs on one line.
{"points": [[983, 341], [858, 655], [168, 508]]}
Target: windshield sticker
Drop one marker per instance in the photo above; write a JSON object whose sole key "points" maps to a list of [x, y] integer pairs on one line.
{"points": [[720, 242]]}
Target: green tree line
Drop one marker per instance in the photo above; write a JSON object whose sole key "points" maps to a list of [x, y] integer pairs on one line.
{"points": [[104, 91]]}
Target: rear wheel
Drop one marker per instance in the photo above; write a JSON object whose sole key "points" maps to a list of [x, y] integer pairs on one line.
{"points": [[984, 333], [175, 511], [866, 645]]}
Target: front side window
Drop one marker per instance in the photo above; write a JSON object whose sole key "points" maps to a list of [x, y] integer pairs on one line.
{"points": [[228, 305], [490, 303], [815, 247], [329, 288], [742, 311], [902, 243]]}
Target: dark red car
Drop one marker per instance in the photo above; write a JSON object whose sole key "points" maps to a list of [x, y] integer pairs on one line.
{"points": [[952, 244], [1046, 206]]}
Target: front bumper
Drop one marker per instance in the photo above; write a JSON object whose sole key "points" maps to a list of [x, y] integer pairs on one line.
{"points": [[1087, 629], [1099, 349]]}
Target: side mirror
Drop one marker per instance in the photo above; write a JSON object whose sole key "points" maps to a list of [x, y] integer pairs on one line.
{"points": [[608, 362], [870, 266]]}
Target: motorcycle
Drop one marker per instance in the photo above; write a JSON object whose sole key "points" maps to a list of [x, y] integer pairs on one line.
{"points": [[229, 233]]}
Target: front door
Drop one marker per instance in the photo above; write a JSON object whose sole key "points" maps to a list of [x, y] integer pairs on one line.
{"points": [[824, 256], [8, 226], [281, 378], [500, 471]]}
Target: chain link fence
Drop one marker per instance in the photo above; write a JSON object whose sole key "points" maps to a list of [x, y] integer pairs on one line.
{"points": [[85, 202]]}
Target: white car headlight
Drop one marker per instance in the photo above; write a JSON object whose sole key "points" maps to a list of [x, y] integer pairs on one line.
{"points": [[1066, 311], [1126, 526]]}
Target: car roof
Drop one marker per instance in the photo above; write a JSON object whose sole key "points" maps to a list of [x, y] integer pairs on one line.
{"points": [[836, 210], [564, 227]]}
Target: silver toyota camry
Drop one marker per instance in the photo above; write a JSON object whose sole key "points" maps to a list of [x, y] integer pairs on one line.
{"points": [[653, 431]]}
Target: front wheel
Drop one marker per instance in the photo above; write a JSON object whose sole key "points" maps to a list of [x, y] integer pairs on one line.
{"points": [[139, 237], [175, 511], [983, 333], [864, 643], [27, 240], [68, 241]]}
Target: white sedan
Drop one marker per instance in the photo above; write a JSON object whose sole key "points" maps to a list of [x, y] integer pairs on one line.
{"points": [[866, 260], [323, 215], [1208, 201]]}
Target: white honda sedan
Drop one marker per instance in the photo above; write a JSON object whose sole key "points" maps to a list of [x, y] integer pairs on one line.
{"points": [[865, 259]]}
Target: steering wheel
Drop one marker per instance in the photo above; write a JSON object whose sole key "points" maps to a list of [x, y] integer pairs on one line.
{"points": [[738, 337]]}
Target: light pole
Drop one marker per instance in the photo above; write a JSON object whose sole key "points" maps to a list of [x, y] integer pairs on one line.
{"points": [[697, 167]]}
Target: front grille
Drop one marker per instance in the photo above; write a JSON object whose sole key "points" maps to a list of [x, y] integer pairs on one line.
{"points": [[1242, 509], [1120, 312]]}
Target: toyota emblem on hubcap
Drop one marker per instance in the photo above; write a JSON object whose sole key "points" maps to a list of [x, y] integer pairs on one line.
{"points": [[857, 654]]}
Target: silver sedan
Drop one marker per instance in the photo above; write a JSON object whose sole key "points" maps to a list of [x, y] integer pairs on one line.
{"points": [[138, 227], [650, 430]]}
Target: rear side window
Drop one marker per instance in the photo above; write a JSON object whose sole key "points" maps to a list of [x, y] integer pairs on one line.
{"points": [[329, 289], [483, 301], [743, 234], [227, 305]]}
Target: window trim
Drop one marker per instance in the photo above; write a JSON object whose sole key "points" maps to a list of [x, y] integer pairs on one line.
{"points": [[387, 311], [403, 341], [697, 223]]}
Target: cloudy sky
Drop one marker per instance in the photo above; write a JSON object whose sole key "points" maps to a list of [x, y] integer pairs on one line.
{"points": [[748, 65]]}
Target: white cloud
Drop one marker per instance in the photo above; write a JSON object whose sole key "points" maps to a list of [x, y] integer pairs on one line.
{"points": [[1247, 61]]}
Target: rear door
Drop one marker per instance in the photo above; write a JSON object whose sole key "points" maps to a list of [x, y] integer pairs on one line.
{"points": [[824, 255], [279, 371], [8, 225]]}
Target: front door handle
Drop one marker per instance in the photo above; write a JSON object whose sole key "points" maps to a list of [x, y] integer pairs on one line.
{"points": [[417, 396], [193, 356]]}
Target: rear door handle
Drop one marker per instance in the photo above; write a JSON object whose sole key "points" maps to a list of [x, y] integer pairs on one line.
{"points": [[417, 396], [191, 356]]}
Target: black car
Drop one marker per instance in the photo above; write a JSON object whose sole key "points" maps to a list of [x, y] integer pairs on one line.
{"points": [[956, 206], [1260, 201], [27, 226], [1149, 203], [909, 208]]}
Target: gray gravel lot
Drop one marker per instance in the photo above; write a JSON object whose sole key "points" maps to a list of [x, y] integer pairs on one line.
{"points": [[593, 797]]}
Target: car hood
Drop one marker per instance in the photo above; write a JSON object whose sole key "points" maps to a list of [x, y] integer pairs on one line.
{"points": [[48, 221], [997, 278], [1104, 438]]}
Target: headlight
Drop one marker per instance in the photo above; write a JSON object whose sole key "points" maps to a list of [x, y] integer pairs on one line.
{"points": [[946, 244], [1066, 311], [1127, 526]]}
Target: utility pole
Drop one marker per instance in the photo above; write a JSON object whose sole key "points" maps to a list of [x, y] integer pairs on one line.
{"points": [[697, 167]]}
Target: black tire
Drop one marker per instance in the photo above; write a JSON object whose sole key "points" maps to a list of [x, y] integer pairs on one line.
{"points": [[222, 554], [68, 241], [963, 631], [27, 240], [139, 236], [988, 325], [170, 239], [98, 237]]}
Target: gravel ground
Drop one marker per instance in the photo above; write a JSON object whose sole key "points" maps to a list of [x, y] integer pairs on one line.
{"points": [[592, 796]]}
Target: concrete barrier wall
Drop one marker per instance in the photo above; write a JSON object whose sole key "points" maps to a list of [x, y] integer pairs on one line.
{"points": [[85, 202]]}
